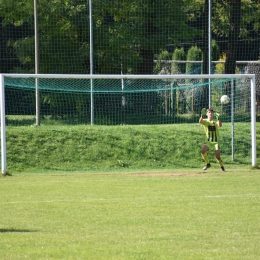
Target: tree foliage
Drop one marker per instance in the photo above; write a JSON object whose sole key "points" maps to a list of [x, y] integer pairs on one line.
{"points": [[178, 54], [127, 33]]}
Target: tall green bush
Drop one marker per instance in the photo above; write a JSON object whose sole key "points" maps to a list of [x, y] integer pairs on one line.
{"points": [[194, 54], [159, 66], [178, 54], [177, 68]]}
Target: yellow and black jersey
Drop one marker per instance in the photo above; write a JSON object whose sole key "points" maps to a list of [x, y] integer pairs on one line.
{"points": [[211, 129]]}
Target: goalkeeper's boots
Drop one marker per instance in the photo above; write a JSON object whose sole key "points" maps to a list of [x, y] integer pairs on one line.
{"points": [[222, 169], [206, 166]]}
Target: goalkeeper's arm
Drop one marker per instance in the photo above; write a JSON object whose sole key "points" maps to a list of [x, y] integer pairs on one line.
{"points": [[218, 119], [203, 113], [217, 116]]}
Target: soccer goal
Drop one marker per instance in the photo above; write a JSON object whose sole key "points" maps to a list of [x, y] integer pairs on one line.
{"points": [[44, 99]]}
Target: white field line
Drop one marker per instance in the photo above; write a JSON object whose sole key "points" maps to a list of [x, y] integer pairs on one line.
{"points": [[249, 195], [58, 201]]}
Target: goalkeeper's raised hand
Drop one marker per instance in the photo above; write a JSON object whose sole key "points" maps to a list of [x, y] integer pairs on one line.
{"points": [[217, 116], [203, 112]]}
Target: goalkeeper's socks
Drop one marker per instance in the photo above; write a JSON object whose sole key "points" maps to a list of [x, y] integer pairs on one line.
{"points": [[205, 158], [220, 163]]}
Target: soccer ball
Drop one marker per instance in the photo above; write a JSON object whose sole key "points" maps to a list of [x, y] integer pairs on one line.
{"points": [[224, 99]]}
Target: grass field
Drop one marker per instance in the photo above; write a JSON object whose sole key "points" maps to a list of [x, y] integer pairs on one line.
{"points": [[128, 192], [184, 214]]}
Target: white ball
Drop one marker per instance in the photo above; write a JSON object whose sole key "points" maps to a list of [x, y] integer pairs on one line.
{"points": [[224, 99]]}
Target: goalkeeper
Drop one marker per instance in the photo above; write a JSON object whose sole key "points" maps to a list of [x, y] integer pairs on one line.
{"points": [[211, 129]]}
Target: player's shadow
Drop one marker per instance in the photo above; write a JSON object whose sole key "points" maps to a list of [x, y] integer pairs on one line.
{"points": [[13, 230]]}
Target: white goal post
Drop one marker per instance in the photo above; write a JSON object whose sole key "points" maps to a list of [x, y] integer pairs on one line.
{"points": [[251, 77]]}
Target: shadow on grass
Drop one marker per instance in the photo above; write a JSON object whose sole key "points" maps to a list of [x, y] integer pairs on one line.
{"points": [[13, 230]]}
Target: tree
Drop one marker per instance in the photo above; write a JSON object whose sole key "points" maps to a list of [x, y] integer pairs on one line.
{"points": [[177, 68], [194, 54], [141, 29], [127, 33], [178, 54], [162, 67], [63, 34], [7, 55], [233, 36], [236, 21]]}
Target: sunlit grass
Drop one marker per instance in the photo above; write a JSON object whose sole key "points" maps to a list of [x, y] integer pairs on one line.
{"points": [[85, 147], [131, 215]]}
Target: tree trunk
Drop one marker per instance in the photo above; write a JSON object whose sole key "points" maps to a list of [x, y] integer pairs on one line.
{"points": [[205, 66], [233, 36], [146, 66]]}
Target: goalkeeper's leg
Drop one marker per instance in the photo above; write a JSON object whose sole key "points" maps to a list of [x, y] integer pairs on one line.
{"points": [[217, 154], [204, 155]]}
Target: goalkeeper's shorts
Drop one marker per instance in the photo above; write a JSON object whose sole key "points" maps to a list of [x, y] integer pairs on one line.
{"points": [[212, 145]]}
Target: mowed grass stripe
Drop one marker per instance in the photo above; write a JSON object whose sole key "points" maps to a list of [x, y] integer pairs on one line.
{"points": [[148, 215]]}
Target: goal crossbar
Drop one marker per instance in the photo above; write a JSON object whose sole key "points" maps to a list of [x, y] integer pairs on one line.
{"points": [[120, 76]]}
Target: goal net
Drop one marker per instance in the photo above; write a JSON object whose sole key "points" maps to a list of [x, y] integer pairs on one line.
{"points": [[53, 99]]}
